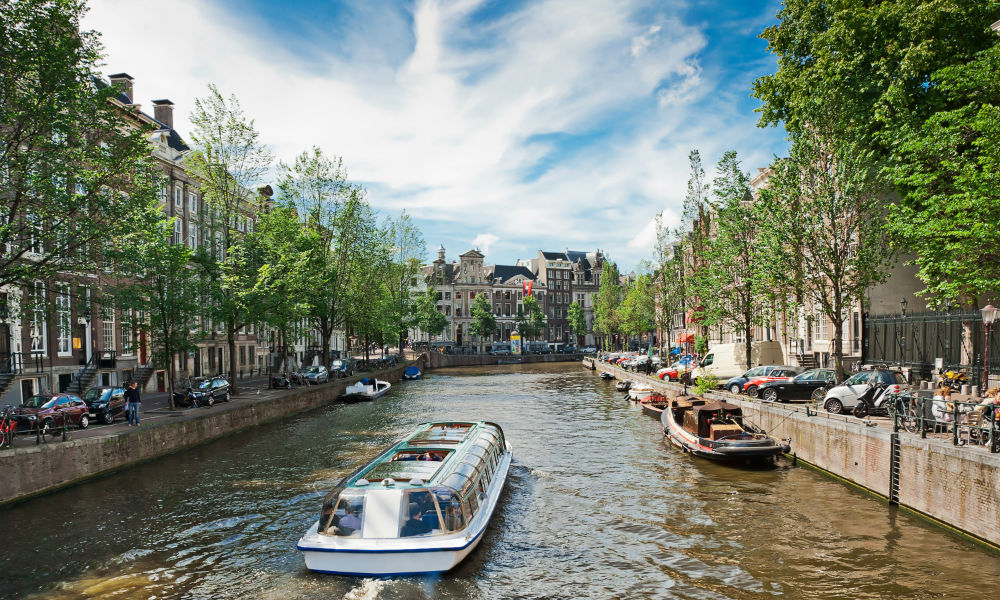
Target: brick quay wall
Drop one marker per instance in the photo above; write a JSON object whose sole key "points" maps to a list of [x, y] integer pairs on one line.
{"points": [[37, 469], [957, 487]]}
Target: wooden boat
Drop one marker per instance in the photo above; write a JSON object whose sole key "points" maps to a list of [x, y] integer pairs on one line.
{"points": [[367, 388], [716, 430], [420, 507], [654, 404]]}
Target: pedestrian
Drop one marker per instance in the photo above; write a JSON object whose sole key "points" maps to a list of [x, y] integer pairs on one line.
{"points": [[132, 403]]}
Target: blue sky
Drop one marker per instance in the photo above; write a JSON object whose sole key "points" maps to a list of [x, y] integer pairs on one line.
{"points": [[508, 126]]}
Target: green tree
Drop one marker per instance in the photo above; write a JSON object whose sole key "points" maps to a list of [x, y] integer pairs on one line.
{"points": [[636, 312], [948, 171], [866, 67], [609, 297], [166, 285], [228, 159], [484, 323], [530, 319], [577, 321], [76, 177], [408, 251], [826, 200], [730, 284], [429, 319]]}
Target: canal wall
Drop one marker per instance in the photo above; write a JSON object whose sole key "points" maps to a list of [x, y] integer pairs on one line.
{"points": [[440, 360], [956, 486], [32, 470]]}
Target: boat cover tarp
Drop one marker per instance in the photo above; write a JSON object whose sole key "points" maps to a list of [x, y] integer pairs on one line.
{"points": [[411, 371]]}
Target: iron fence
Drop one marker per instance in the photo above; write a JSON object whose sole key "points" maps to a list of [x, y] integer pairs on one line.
{"points": [[917, 341]]}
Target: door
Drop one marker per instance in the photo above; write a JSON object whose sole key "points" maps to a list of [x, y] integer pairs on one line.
{"points": [[197, 362], [27, 389], [161, 381], [142, 347], [220, 360]]}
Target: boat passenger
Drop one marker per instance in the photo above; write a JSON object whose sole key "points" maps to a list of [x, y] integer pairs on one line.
{"points": [[349, 522], [427, 456], [415, 524]]}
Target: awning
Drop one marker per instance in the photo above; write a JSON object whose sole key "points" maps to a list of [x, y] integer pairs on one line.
{"points": [[685, 338]]}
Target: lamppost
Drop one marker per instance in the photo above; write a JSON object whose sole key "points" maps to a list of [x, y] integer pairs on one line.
{"points": [[902, 332], [989, 313]]}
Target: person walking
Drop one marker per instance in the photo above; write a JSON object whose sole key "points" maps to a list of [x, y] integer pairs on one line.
{"points": [[132, 403]]}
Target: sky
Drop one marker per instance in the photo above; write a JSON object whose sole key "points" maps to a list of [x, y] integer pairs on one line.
{"points": [[508, 126]]}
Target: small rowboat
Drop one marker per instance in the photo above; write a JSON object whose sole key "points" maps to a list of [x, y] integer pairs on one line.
{"points": [[411, 373], [367, 388], [623, 385], [639, 391], [654, 404], [606, 376], [716, 430]]}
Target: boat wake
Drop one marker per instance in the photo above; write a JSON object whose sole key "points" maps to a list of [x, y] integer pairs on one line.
{"points": [[369, 588]]}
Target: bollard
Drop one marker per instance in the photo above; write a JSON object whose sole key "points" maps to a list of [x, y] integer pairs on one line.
{"points": [[974, 391], [965, 389]]}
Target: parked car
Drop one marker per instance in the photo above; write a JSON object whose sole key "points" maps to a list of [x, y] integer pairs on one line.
{"points": [[781, 373], [105, 403], [318, 374], [208, 391], [343, 367], [843, 398], [588, 350], [50, 412], [501, 349], [811, 384], [569, 349], [674, 371], [735, 384]]}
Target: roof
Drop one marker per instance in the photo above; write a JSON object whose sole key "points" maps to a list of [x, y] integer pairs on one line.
{"points": [[554, 255], [507, 272]]}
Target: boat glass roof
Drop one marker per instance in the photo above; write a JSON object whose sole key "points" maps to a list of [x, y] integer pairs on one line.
{"points": [[403, 470], [441, 434]]}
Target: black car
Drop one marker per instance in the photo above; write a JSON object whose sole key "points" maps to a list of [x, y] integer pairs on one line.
{"points": [[105, 403], [811, 384], [209, 391]]}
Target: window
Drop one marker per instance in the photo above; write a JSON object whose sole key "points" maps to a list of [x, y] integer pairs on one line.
{"points": [[37, 329], [192, 236], [178, 231], [192, 203], [126, 331], [178, 197], [243, 355], [36, 233], [108, 328], [64, 342]]}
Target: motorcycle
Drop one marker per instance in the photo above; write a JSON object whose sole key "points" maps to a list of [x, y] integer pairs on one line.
{"points": [[953, 379], [281, 381], [185, 399]]}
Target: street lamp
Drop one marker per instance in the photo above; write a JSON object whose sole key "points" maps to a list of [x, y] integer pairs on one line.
{"points": [[902, 305], [989, 313]]}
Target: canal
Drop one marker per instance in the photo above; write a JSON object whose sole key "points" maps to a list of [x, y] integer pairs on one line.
{"points": [[598, 505]]}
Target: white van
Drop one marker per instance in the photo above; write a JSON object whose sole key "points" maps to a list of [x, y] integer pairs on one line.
{"points": [[729, 360]]}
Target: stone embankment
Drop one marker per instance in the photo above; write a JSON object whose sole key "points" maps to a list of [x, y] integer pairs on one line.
{"points": [[954, 486], [37, 469]]}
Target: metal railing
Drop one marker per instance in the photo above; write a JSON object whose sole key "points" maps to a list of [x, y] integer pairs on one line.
{"points": [[967, 423]]}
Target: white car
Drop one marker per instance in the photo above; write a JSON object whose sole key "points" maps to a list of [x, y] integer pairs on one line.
{"points": [[844, 397]]}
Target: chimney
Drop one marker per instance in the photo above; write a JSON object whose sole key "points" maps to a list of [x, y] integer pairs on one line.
{"points": [[163, 111], [123, 81]]}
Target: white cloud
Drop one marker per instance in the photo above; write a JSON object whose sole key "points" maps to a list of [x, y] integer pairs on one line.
{"points": [[483, 241], [450, 127], [645, 239]]}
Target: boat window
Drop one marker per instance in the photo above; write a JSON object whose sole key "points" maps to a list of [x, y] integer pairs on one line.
{"points": [[456, 481], [403, 470], [420, 514], [346, 516], [472, 505], [451, 509]]}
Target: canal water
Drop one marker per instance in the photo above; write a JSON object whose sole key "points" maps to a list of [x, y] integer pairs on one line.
{"points": [[598, 505]]}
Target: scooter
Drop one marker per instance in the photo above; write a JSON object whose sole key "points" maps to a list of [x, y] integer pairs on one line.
{"points": [[281, 381], [874, 400]]}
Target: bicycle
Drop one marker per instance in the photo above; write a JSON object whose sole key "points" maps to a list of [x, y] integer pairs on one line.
{"points": [[8, 427], [904, 410]]}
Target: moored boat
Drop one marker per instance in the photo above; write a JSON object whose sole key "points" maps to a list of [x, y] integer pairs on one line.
{"points": [[716, 430], [606, 376], [367, 388], [639, 391], [412, 373], [623, 385], [654, 404], [420, 507]]}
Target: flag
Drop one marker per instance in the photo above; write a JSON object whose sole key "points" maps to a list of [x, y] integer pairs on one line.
{"points": [[527, 288]]}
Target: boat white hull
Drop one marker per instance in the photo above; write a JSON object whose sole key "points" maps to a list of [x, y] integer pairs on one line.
{"points": [[384, 563]]}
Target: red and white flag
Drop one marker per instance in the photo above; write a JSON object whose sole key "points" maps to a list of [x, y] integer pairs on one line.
{"points": [[527, 288]]}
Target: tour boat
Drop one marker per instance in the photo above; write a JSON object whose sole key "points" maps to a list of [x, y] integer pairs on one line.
{"points": [[411, 373], [367, 388], [716, 430], [420, 507]]}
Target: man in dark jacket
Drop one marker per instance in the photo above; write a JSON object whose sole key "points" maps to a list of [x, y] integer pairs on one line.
{"points": [[132, 403]]}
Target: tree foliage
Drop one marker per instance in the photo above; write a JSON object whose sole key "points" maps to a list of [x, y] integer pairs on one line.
{"points": [[636, 312], [484, 323], [609, 296], [530, 319], [577, 320], [76, 177]]}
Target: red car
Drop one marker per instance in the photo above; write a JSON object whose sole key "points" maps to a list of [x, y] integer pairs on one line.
{"points": [[51, 412], [750, 387]]}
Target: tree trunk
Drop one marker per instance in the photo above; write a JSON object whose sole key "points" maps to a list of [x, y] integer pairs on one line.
{"points": [[231, 339], [748, 344]]}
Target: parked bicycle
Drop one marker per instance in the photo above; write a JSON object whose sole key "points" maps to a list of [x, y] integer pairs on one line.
{"points": [[8, 427]]}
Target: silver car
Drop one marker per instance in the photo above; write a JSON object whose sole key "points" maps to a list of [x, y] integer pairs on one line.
{"points": [[316, 374]]}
